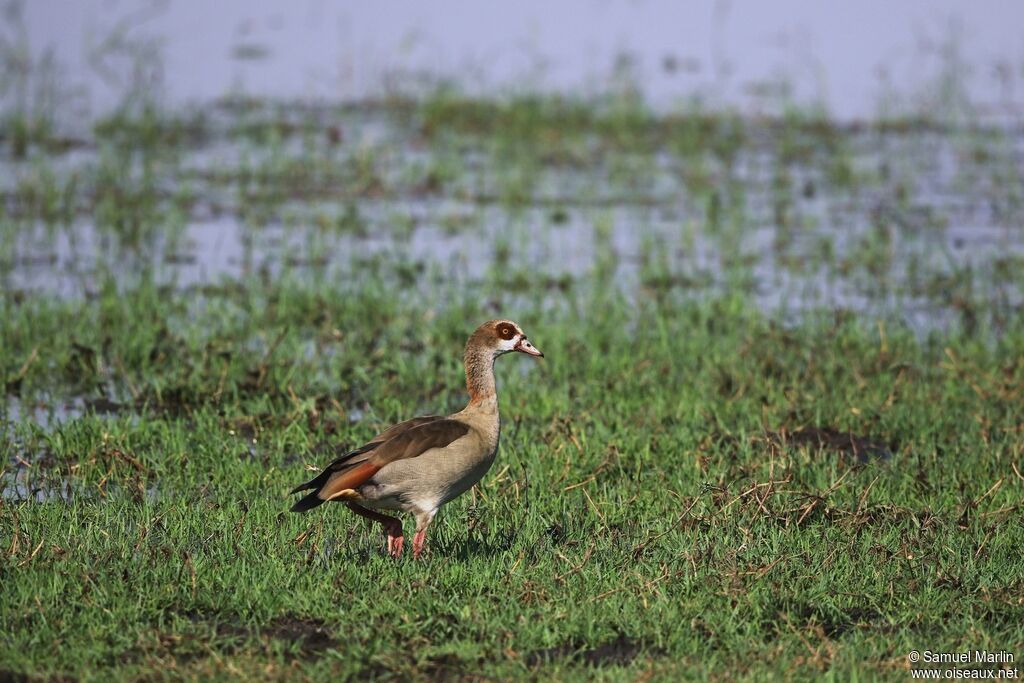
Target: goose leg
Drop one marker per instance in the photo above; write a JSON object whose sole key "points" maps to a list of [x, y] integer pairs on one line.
{"points": [[419, 540], [392, 527]]}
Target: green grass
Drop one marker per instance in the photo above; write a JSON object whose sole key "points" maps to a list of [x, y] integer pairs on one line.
{"points": [[654, 509]]}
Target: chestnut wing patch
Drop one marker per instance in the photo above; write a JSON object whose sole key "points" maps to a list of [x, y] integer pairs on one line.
{"points": [[351, 460], [418, 440], [405, 440], [395, 430], [408, 444], [365, 451]]}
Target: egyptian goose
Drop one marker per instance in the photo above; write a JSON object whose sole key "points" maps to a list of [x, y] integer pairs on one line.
{"points": [[419, 465]]}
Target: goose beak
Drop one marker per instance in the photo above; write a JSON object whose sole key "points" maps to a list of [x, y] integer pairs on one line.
{"points": [[524, 346]]}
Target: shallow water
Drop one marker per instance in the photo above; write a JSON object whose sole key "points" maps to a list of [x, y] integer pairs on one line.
{"points": [[925, 220], [921, 226]]}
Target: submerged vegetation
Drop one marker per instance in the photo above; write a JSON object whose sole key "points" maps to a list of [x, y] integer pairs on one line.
{"points": [[778, 431]]}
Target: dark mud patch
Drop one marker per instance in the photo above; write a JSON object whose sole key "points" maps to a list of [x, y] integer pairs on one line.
{"points": [[306, 638], [863, 449], [448, 667], [618, 652], [311, 636], [833, 624], [104, 406], [300, 639]]}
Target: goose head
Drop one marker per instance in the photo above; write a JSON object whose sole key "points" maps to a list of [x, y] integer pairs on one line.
{"points": [[501, 337]]}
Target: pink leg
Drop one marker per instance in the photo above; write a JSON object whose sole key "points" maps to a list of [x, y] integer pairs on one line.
{"points": [[395, 545], [420, 538], [418, 541], [392, 527]]}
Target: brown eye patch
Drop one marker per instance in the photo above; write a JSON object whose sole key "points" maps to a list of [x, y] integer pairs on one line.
{"points": [[505, 331]]}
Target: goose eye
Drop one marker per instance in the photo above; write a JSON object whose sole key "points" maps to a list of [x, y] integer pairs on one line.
{"points": [[506, 332]]}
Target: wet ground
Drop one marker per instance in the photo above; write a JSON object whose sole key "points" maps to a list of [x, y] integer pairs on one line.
{"points": [[914, 221]]}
